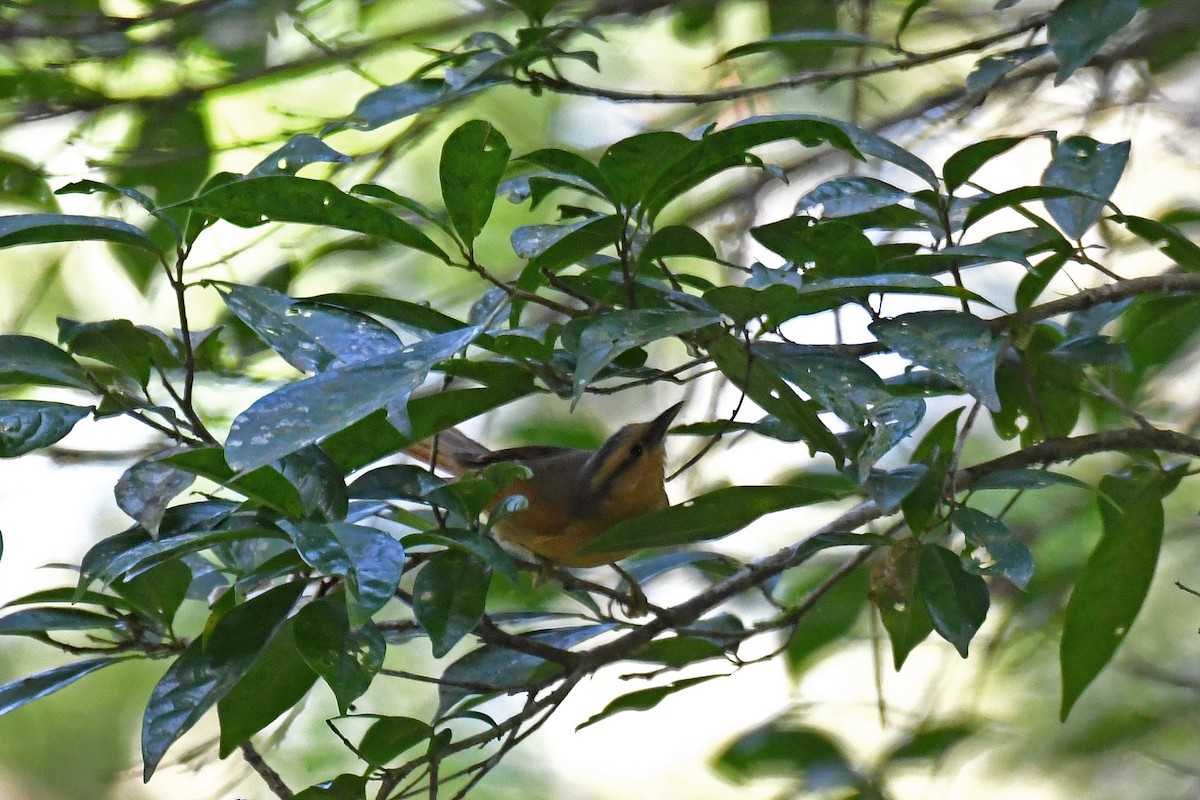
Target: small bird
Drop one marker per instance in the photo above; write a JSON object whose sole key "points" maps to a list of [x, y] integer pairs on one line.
{"points": [[573, 495]]}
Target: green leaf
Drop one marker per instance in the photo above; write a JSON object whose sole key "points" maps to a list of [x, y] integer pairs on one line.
{"points": [[285, 198], [503, 669], [782, 748], [963, 164], [343, 787], [299, 151], [15, 694], [27, 425], [388, 737], [369, 559], [599, 339], [993, 549], [276, 682], [956, 600], [1167, 238], [1023, 479], [19, 229], [1087, 166], [35, 621], [449, 596], [1115, 579], [770, 391], [835, 249], [935, 450], [158, 592], [391, 103], [117, 342], [474, 158], [265, 485], [1079, 28], [930, 744], [829, 621], [992, 69], [29, 360], [841, 384], [959, 347], [896, 594], [786, 41], [347, 659], [983, 206], [643, 699], [300, 414], [146, 489], [210, 668], [311, 336], [678, 240], [848, 195], [579, 242], [25, 183], [709, 516]]}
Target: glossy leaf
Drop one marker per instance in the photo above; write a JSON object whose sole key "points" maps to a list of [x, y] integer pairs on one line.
{"points": [[302, 413], [834, 249], [844, 196], [343, 787], [19, 229], [347, 659], [992, 547], [209, 669], [369, 559], [117, 342], [27, 425], [17, 693], [286, 198], [29, 360], [1110, 591], [600, 339], [474, 158], [831, 619], [957, 601], [935, 451], [959, 347], [312, 337], [299, 151], [448, 597], [1026, 479], [704, 518], [146, 489], [959, 167], [992, 69], [1079, 28], [36, 621], [1087, 166]]}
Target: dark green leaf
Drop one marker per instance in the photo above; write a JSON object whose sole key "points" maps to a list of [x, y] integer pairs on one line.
{"points": [[391, 103], [20, 229], [286, 198], [844, 196], [17, 693], [1025, 479], [25, 183], [888, 489], [302, 413], [347, 659], [565, 162], [474, 158], [40, 620], [27, 425], [780, 748], [993, 549], [388, 737], [897, 596], [930, 744], [369, 559], [841, 384], [1087, 166], [956, 600], [785, 41], [1079, 28], [935, 450], [117, 342], [835, 249], [829, 621], [343, 787], [678, 240], [158, 592], [578, 243], [599, 339], [709, 516], [1115, 579], [29, 360], [959, 347], [964, 163], [300, 151], [1167, 238], [990, 204], [449, 596], [310, 336], [276, 682], [209, 669], [992, 69], [643, 699], [678, 651], [265, 484], [766, 388], [318, 482]]}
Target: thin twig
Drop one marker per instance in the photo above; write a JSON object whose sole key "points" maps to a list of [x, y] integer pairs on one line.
{"points": [[270, 777]]}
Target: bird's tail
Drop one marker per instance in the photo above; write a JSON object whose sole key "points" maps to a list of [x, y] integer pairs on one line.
{"points": [[451, 451]]}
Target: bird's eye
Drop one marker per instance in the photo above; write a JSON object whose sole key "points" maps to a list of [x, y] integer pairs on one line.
{"points": [[636, 451]]}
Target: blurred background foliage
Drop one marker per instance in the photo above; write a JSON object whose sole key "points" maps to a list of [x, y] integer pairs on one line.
{"points": [[161, 96]]}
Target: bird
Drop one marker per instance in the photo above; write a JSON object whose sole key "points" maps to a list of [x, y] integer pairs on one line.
{"points": [[573, 495]]}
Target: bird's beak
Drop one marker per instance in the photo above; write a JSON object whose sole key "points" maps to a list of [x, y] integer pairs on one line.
{"points": [[657, 430]]}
